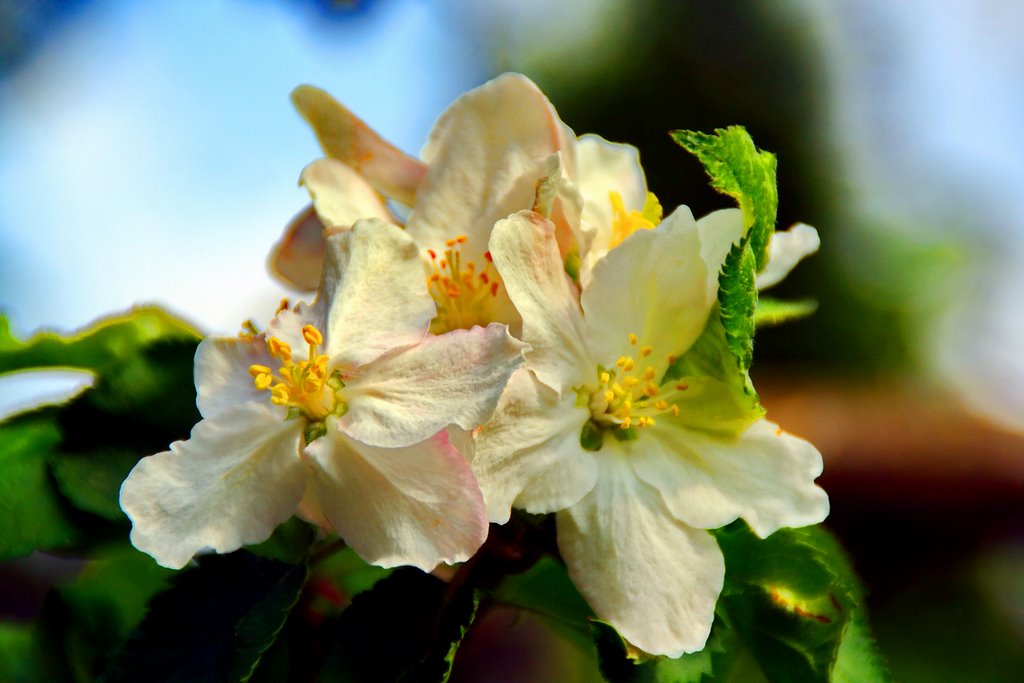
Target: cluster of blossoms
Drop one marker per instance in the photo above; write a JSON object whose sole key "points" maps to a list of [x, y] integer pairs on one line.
{"points": [[510, 342]]}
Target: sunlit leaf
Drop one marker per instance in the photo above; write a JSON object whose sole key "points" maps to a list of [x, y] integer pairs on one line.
{"points": [[770, 311]]}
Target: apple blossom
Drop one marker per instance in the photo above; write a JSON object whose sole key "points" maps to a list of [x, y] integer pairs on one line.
{"points": [[341, 405], [637, 463]]}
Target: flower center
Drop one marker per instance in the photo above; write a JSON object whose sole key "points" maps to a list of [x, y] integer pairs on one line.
{"points": [[625, 223], [462, 291], [627, 399], [305, 387]]}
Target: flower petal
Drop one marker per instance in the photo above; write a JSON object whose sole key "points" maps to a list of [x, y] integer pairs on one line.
{"points": [[719, 230], [525, 251], [529, 455], [222, 373], [341, 196], [787, 249], [410, 394], [373, 296], [417, 505], [298, 258], [345, 137], [766, 476], [485, 154], [653, 285], [652, 577], [605, 167], [231, 484]]}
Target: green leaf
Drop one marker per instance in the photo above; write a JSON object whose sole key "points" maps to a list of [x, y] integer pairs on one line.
{"points": [[349, 573], [142, 399], [546, 591], [290, 542], [32, 513], [737, 168], [788, 597], [18, 661], [621, 664], [737, 300], [859, 658], [407, 628], [214, 623], [770, 311], [110, 340], [83, 621], [720, 397]]}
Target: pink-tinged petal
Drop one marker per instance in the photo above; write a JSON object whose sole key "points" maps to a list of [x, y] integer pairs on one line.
{"points": [[525, 251], [298, 259], [719, 231], [652, 577], [222, 373], [348, 139], [486, 155], [529, 455], [765, 476], [373, 296], [654, 285], [787, 249], [340, 195], [418, 505], [231, 484], [407, 395]]}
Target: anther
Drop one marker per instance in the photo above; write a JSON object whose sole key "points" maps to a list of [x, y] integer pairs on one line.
{"points": [[312, 335], [633, 339], [645, 351]]}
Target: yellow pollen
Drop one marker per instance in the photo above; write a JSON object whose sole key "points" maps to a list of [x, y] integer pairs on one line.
{"points": [[627, 398], [304, 385], [625, 223], [463, 292], [312, 335]]}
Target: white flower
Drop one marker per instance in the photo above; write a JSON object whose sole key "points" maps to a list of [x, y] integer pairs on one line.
{"points": [[482, 162], [636, 468], [341, 405]]}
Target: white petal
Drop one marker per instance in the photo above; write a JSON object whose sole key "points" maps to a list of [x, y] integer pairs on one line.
{"points": [[417, 505], [231, 484], [653, 285], [410, 394], [298, 258], [529, 455], [222, 373], [526, 254], [719, 230], [340, 195], [652, 577], [485, 155], [606, 167], [766, 476], [787, 249], [373, 296], [345, 137]]}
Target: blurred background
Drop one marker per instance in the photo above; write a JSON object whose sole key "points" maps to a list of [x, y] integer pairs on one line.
{"points": [[149, 153]]}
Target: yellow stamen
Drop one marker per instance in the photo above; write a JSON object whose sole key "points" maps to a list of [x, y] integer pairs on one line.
{"points": [[625, 223], [463, 292]]}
